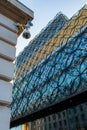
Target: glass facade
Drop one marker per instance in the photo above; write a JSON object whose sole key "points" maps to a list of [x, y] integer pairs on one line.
{"points": [[45, 35], [52, 67], [17, 128]]}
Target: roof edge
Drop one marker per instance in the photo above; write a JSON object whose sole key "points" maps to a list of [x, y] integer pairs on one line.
{"points": [[22, 7]]}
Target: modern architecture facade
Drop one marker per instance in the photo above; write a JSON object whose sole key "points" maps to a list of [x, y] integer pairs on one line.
{"points": [[23, 64], [51, 69], [69, 119]]}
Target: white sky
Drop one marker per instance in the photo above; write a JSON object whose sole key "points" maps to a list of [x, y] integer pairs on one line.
{"points": [[44, 11]]}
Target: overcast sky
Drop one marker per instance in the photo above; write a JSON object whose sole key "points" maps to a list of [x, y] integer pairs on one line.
{"points": [[44, 11]]}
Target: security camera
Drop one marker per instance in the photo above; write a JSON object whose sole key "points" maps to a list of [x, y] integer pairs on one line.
{"points": [[26, 34]]}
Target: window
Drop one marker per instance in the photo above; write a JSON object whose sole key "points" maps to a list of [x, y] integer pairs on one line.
{"points": [[49, 126], [49, 118], [45, 119], [74, 109], [45, 127], [81, 108], [63, 114], [55, 124], [60, 123], [65, 122], [54, 117], [59, 115], [76, 118], [82, 117], [69, 111]]}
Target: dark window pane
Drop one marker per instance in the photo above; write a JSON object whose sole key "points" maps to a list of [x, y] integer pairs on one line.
{"points": [[65, 122], [49, 118], [83, 117], [60, 123], [54, 116], [55, 124], [76, 118], [81, 108], [59, 115], [49, 126], [74, 109], [63, 114], [45, 127]]}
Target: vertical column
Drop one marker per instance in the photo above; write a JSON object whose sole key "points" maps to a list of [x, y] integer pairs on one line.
{"points": [[26, 126], [8, 38]]}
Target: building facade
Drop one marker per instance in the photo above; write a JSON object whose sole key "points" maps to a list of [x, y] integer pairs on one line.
{"points": [[10, 14], [52, 68], [69, 119]]}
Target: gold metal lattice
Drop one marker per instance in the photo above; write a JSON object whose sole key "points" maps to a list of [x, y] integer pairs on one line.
{"points": [[71, 28]]}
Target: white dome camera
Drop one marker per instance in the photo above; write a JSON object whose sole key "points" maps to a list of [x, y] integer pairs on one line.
{"points": [[26, 34]]}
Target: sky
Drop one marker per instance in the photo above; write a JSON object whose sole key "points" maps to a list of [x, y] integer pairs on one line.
{"points": [[44, 11]]}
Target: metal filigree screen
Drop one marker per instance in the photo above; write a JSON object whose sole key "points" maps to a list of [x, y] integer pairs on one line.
{"points": [[55, 71]]}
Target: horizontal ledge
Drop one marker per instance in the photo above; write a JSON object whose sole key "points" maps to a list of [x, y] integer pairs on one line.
{"points": [[6, 58], [16, 11], [3, 103], [2, 77], [10, 29], [7, 41], [22, 7], [58, 107]]}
